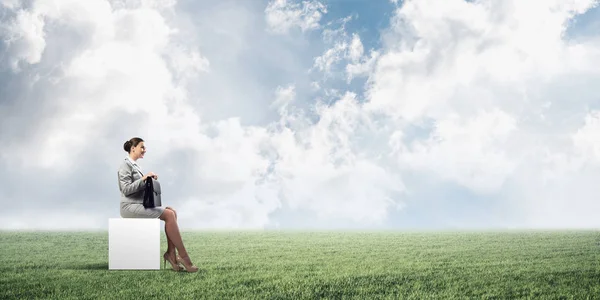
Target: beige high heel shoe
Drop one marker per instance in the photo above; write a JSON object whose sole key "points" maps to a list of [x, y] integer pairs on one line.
{"points": [[175, 265], [188, 268]]}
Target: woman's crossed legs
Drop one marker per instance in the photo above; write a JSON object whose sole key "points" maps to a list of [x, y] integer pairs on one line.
{"points": [[174, 240]]}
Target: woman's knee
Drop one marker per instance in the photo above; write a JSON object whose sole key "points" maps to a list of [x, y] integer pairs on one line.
{"points": [[172, 210], [167, 215]]}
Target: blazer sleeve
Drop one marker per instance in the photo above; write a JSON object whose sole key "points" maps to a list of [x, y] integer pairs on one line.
{"points": [[126, 186]]}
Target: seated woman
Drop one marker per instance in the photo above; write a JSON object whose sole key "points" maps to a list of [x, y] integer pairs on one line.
{"points": [[132, 185]]}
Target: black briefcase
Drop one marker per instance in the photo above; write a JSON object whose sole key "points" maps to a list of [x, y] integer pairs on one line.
{"points": [[152, 193]]}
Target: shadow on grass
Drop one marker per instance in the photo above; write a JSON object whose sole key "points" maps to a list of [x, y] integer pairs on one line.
{"points": [[104, 267], [89, 266]]}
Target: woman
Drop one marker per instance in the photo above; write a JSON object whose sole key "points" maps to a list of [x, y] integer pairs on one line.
{"points": [[132, 185]]}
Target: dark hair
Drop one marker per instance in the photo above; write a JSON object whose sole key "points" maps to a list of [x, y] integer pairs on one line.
{"points": [[131, 143]]}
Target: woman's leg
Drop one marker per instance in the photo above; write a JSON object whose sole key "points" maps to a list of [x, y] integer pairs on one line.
{"points": [[172, 231], [170, 245]]}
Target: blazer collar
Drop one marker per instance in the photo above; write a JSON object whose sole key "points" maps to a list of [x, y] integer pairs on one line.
{"points": [[134, 165]]}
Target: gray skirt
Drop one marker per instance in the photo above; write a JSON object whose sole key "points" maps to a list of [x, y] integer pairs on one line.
{"points": [[137, 210]]}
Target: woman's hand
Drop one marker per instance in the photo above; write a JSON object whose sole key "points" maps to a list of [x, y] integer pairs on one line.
{"points": [[150, 174]]}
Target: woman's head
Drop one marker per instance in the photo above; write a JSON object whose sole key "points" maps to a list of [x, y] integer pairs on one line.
{"points": [[135, 147]]}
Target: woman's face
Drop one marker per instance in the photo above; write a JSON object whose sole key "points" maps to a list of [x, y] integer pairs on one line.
{"points": [[139, 150]]}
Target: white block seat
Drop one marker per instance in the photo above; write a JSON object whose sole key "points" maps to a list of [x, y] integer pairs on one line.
{"points": [[133, 244]]}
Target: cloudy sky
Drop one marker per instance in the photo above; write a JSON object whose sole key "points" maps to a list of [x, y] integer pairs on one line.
{"points": [[374, 114]]}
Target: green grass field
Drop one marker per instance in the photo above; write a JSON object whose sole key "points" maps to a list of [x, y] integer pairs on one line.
{"points": [[313, 265]]}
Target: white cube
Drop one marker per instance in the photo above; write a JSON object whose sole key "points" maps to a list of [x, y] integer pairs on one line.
{"points": [[133, 244]]}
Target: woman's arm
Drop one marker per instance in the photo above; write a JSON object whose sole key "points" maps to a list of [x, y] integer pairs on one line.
{"points": [[125, 184]]}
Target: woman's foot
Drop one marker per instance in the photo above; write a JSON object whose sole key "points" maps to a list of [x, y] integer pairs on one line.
{"points": [[187, 264], [178, 258], [172, 258]]}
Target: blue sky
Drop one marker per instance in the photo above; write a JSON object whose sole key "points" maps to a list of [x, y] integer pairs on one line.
{"points": [[271, 114], [585, 24]]}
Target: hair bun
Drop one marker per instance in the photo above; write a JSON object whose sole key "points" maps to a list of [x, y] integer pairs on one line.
{"points": [[127, 146]]}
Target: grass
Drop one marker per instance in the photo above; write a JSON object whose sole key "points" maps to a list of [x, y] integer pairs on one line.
{"points": [[313, 265]]}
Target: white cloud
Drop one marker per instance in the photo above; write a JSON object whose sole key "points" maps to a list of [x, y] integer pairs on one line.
{"points": [[471, 152], [11, 4], [325, 169], [151, 4], [586, 140], [484, 73], [331, 56], [24, 37], [121, 68], [283, 15], [479, 47], [232, 167], [356, 48], [345, 50], [362, 68], [284, 96], [187, 63], [359, 64]]}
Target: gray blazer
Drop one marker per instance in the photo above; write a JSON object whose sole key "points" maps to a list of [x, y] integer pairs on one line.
{"points": [[131, 184]]}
